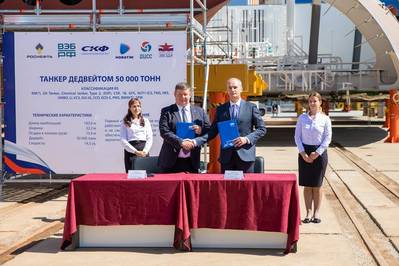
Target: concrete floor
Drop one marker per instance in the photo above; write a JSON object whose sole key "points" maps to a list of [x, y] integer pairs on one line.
{"points": [[332, 242]]}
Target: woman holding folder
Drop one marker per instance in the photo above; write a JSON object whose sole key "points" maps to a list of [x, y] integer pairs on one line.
{"points": [[312, 137], [136, 133]]}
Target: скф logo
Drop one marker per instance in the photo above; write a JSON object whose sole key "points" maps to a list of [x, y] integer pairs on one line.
{"points": [[91, 48]]}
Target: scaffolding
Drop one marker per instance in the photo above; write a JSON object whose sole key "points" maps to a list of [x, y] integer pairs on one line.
{"points": [[121, 19]]}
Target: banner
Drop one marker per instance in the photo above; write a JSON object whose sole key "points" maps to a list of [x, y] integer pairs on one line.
{"points": [[67, 93]]}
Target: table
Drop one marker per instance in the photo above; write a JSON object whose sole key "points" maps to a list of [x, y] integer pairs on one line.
{"points": [[260, 202]]}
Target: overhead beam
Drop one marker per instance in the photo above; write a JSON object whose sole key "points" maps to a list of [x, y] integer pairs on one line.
{"points": [[314, 32]]}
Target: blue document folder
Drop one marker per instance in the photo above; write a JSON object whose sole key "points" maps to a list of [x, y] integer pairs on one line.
{"points": [[228, 131], [185, 130]]}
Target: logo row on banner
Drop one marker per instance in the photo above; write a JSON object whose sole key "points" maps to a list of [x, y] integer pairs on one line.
{"points": [[146, 50]]}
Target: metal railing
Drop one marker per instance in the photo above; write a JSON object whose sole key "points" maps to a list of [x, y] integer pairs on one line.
{"points": [[321, 80]]}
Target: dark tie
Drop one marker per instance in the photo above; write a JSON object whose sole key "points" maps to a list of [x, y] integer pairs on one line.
{"points": [[184, 115], [235, 112]]}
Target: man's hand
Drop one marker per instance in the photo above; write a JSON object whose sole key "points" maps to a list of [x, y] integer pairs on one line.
{"points": [[197, 129], [306, 158], [314, 155], [141, 154], [187, 145], [238, 142]]}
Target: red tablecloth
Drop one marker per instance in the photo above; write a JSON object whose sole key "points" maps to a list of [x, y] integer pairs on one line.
{"points": [[262, 202]]}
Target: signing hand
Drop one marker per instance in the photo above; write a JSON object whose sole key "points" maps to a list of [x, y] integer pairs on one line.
{"points": [[238, 142], [197, 129], [314, 155], [187, 145]]}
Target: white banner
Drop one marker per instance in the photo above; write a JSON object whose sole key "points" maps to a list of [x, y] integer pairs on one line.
{"points": [[72, 91]]}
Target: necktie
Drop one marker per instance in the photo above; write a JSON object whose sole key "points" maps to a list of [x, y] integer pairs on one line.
{"points": [[235, 111], [184, 115]]}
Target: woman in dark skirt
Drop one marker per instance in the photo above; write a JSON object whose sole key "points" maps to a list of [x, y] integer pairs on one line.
{"points": [[312, 137], [136, 133]]}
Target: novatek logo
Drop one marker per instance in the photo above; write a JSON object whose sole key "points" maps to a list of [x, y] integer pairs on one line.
{"points": [[39, 52], [165, 50], [145, 48], [95, 50], [123, 49]]}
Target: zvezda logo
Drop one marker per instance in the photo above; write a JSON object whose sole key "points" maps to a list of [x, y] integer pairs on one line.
{"points": [[165, 50], [123, 49]]}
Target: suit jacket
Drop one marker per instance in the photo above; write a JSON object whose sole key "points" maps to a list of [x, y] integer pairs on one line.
{"points": [[250, 125], [172, 143]]}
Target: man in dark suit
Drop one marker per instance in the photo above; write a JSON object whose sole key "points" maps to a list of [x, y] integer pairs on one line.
{"points": [[177, 154], [250, 126]]}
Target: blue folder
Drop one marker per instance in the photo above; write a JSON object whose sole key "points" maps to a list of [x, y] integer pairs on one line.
{"points": [[185, 130], [228, 131]]}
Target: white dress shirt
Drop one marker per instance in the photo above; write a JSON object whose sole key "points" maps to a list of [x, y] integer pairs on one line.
{"points": [[189, 120], [188, 112], [238, 103], [313, 131], [136, 132]]}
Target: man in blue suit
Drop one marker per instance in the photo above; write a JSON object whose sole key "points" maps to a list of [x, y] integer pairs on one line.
{"points": [[250, 126], [177, 154]]}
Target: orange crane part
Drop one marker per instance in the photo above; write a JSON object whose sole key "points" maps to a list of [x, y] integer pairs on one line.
{"points": [[393, 116], [216, 98]]}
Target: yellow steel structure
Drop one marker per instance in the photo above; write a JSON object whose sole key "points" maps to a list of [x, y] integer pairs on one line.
{"points": [[252, 83]]}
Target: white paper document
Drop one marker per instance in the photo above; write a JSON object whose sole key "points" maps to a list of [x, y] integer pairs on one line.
{"points": [[233, 174]]}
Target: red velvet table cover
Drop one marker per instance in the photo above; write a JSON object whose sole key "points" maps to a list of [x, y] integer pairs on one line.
{"points": [[260, 202]]}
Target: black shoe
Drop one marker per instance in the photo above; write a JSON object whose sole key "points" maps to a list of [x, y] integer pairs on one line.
{"points": [[306, 221], [316, 220]]}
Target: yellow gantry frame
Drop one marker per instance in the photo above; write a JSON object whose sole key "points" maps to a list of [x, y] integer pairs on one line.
{"points": [[252, 83]]}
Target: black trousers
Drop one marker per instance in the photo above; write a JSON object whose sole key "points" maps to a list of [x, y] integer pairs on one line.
{"points": [[181, 165], [139, 145], [236, 163]]}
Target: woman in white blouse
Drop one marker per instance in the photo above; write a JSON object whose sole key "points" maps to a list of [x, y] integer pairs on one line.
{"points": [[312, 137], [136, 133]]}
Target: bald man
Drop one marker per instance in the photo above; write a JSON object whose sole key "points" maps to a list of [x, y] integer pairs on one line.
{"points": [[250, 126]]}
